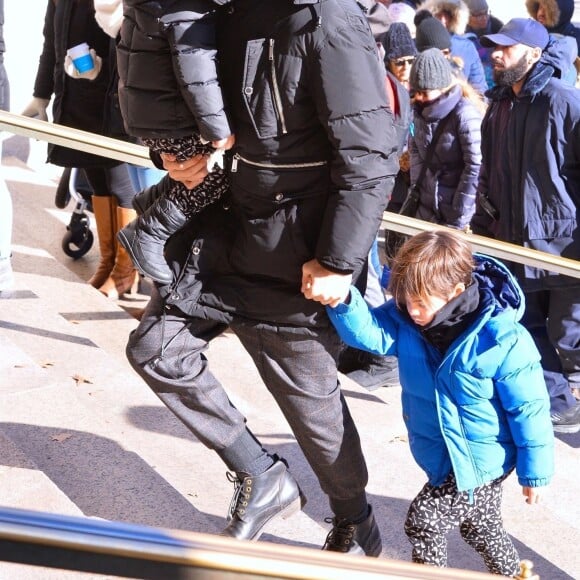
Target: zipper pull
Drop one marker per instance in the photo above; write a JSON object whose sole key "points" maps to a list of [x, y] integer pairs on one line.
{"points": [[234, 166], [271, 49]]}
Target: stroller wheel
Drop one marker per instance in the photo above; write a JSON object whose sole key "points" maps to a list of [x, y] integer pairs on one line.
{"points": [[77, 243]]}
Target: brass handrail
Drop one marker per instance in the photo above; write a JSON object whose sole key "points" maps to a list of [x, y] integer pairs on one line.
{"points": [[104, 547], [75, 139], [496, 248]]}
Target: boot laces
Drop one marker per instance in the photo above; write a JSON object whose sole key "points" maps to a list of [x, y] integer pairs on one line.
{"points": [[340, 536], [241, 497]]}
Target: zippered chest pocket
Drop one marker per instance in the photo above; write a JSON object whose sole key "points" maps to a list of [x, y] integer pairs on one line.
{"points": [[263, 96]]}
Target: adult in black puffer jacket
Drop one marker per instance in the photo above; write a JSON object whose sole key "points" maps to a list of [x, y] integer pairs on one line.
{"points": [[314, 161]]}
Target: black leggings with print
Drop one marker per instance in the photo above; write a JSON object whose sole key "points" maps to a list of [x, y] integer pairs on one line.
{"points": [[437, 510]]}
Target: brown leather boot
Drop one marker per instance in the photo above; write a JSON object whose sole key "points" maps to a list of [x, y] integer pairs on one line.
{"points": [[124, 278], [105, 210]]}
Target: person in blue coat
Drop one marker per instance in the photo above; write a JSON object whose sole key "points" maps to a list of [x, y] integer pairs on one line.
{"points": [[473, 394]]}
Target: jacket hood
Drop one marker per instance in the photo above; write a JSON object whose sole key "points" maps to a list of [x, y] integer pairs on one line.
{"points": [[498, 285], [560, 54], [558, 12], [457, 10]]}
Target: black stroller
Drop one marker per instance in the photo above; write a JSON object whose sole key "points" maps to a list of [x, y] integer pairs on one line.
{"points": [[78, 238]]}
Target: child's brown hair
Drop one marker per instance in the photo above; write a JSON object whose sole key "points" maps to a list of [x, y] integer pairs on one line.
{"points": [[430, 264]]}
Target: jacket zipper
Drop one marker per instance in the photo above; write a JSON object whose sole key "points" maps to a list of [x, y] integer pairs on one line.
{"points": [[237, 157], [275, 88]]}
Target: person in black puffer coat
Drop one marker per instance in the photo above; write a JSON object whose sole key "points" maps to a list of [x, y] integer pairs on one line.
{"points": [[83, 102], [310, 173], [175, 41]]}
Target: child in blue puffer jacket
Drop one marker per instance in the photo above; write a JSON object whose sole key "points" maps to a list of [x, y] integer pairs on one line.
{"points": [[473, 394]]}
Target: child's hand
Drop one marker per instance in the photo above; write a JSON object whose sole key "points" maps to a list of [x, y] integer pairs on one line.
{"points": [[324, 286], [532, 494], [190, 172], [224, 144]]}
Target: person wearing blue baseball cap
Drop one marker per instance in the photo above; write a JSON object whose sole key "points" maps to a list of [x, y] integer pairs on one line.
{"points": [[518, 31], [529, 193]]}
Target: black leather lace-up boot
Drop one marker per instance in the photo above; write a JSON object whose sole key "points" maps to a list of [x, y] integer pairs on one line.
{"points": [[362, 539], [260, 499]]}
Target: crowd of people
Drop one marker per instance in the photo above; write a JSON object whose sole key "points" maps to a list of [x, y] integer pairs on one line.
{"points": [[265, 220]]}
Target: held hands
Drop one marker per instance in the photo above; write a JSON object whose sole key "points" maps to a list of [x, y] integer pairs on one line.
{"points": [[90, 75], [532, 494], [324, 286], [37, 108]]}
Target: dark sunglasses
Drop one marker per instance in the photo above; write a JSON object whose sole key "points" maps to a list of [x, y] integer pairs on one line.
{"points": [[404, 61]]}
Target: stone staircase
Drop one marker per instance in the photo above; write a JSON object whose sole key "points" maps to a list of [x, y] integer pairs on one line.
{"points": [[81, 434]]}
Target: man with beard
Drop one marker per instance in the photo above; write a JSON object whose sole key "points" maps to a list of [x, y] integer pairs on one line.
{"points": [[529, 193]]}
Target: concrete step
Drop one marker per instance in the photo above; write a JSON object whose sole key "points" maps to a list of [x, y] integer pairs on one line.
{"points": [[74, 413]]}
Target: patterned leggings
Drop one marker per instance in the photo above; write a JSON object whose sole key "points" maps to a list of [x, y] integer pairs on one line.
{"points": [[437, 510], [191, 201]]}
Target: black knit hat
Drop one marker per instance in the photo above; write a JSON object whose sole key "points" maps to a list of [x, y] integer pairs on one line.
{"points": [[431, 70], [397, 42], [432, 34]]}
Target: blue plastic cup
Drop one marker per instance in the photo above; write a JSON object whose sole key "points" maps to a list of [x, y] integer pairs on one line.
{"points": [[81, 57]]}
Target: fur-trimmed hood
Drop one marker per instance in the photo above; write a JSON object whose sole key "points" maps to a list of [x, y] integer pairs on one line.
{"points": [[457, 9], [558, 12]]}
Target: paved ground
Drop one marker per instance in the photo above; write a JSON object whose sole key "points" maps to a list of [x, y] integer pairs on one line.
{"points": [[81, 434]]}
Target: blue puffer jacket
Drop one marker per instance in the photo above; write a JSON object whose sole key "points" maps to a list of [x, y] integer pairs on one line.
{"points": [[480, 409]]}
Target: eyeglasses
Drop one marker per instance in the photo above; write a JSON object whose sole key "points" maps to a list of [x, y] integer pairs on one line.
{"points": [[483, 14], [404, 61]]}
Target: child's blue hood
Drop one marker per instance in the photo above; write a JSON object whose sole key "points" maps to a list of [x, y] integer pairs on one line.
{"points": [[493, 276]]}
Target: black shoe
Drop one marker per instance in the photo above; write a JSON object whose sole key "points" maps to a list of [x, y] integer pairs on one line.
{"points": [[259, 500], [567, 421], [362, 539], [378, 371]]}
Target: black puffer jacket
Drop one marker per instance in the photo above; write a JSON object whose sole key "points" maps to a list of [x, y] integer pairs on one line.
{"points": [[167, 65], [78, 103], [313, 165]]}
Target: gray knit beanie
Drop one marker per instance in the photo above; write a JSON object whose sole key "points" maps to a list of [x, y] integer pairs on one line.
{"points": [[397, 42], [431, 70]]}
